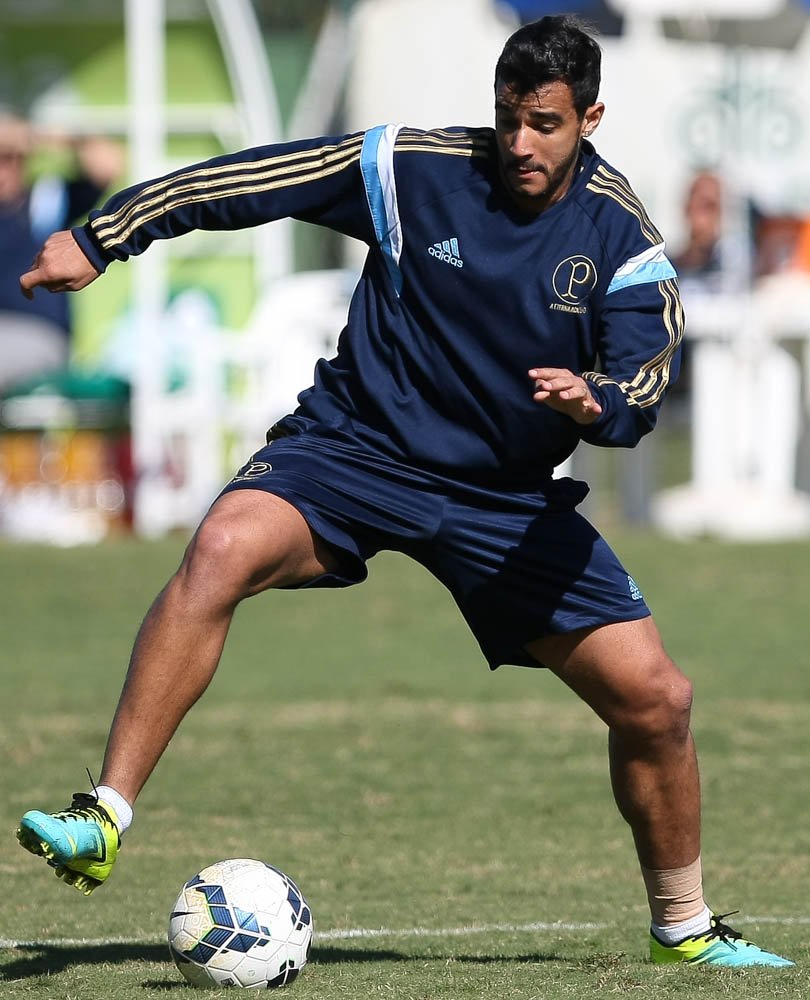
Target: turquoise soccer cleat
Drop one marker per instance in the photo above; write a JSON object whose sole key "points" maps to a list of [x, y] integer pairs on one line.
{"points": [[80, 843], [720, 945]]}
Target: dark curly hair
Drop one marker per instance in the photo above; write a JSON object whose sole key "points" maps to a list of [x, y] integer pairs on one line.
{"points": [[552, 48]]}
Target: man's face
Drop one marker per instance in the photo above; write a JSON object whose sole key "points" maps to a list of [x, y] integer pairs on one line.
{"points": [[538, 136], [704, 210], [12, 174]]}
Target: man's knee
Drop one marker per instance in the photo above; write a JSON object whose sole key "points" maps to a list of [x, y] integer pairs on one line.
{"points": [[251, 541], [659, 708], [218, 557], [624, 673]]}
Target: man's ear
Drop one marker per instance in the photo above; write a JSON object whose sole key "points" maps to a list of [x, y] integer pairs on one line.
{"points": [[591, 119]]}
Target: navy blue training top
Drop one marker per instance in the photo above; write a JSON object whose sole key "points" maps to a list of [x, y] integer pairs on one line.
{"points": [[460, 295]]}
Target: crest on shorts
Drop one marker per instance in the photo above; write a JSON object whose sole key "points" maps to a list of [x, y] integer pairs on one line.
{"points": [[253, 470]]}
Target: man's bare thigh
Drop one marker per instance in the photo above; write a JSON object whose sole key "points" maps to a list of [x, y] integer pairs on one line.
{"points": [[267, 539]]}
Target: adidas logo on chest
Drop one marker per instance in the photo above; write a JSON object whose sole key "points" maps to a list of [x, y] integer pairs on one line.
{"points": [[447, 251]]}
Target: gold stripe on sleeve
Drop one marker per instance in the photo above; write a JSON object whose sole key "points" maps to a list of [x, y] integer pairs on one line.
{"points": [[616, 187], [223, 181], [653, 377]]}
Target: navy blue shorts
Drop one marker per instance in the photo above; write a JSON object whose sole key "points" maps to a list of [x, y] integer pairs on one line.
{"points": [[519, 565]]}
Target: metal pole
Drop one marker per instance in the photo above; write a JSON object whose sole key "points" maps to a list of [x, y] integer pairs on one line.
{"points": [[145, 50], [255, 97]]}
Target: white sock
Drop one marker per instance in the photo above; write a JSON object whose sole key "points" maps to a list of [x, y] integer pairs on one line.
{"points": [[122, 808], [672, 934]]}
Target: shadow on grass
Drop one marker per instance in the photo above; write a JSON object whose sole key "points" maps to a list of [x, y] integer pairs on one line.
{"points": [[44, 959], [35, 960], [333, 955]]}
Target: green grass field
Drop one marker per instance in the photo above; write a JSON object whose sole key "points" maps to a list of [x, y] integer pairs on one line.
{"points": [[452, 829]]}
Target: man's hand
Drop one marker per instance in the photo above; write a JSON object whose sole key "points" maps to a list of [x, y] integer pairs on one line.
{"points": [[60, 266], [565, 392]]}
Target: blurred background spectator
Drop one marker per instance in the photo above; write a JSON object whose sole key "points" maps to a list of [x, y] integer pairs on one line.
{"points": [[801, 258], [698, 261], [35, 335], [778, 239]]}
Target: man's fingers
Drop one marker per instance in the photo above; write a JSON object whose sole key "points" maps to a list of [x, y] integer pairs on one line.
{"points": [[29, 281], [553, 378], [565, 392], [37, 278], [560, 385]]}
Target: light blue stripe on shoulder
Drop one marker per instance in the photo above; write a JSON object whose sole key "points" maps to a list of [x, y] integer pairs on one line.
{"points": [[377, 166], [649, 266]]}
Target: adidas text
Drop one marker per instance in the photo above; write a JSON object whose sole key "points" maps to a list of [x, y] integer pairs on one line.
{"points": [[447, 251]]}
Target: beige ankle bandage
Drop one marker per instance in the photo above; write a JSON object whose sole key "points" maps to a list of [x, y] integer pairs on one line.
{"points": [[676, 894]]}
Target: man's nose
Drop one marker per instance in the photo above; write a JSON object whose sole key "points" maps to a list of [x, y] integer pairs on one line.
{"points": [[519, 144]]}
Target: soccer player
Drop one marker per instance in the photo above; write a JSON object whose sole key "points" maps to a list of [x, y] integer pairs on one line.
{"points": [[516, 300]]}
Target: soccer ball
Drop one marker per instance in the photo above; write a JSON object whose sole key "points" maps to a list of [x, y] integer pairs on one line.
{"points": [[240, 923]]}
